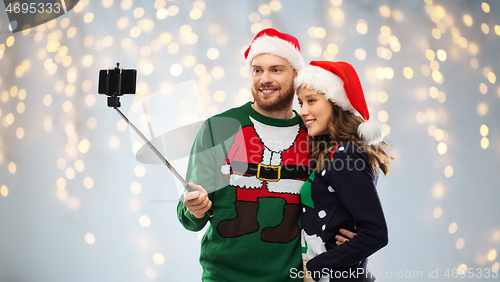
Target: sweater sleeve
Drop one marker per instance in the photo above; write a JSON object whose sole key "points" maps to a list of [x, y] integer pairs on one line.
{"points": [[201, 170], [352, 177]]}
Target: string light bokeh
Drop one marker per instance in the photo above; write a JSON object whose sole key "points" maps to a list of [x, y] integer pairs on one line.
{"points": [[76, 205]]}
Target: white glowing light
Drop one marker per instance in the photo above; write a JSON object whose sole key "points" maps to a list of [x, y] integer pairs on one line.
{"points": [[144, 221], [4, 191], [140, 170], [90, 238], [158, 258], [176, 69]]}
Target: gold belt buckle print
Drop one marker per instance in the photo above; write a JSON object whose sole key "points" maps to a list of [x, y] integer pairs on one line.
{"points": [[266, 172]]}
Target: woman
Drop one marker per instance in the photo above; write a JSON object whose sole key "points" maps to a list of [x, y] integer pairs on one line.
{"points": [[346, 153]]}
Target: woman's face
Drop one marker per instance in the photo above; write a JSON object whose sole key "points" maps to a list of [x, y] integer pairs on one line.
{"points": [[315, 110]]}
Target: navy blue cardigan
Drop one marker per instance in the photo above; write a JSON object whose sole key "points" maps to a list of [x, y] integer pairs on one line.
{"points": [[344, 195]]}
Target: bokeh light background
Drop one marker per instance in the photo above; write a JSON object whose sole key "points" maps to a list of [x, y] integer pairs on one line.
{"points": [[76, 205]]}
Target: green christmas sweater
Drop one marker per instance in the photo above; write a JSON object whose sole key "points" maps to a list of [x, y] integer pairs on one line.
{"points": [[253, 168]]}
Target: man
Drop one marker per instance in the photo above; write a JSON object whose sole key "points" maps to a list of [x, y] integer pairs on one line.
{"points": [[258, 153]]}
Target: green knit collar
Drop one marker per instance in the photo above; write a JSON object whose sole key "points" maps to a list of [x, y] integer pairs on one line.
{"points": [[296, 119]]}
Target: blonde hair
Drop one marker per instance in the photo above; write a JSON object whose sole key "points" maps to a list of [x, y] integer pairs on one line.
{"points": [[343, 127]]}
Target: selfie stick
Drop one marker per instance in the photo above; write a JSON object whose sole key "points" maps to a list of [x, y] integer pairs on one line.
{"points": [[117, 104]]}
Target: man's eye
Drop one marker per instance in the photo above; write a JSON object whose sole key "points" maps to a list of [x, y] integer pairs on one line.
{"points": [[311, 101], [276, 70], [256, 71]]}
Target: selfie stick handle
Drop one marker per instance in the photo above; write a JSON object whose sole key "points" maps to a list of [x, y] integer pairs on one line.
{"points": [[186, 185]]}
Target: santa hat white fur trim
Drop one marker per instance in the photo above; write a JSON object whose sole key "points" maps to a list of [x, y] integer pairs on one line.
{"points": [[225, 169], [275, 46], [321, 80], [332, 86]]}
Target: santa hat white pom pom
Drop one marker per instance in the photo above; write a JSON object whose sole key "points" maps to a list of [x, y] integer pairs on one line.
{"points": [[371, 132]]}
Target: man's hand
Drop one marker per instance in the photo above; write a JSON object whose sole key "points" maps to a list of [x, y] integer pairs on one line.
{"points": [[197, 202], [341, 239]]}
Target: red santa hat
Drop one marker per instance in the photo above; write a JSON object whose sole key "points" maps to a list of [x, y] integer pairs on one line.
{"points": [[271, 41], [340, 84]]}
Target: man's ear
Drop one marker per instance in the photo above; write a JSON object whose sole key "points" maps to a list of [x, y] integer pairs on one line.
{"points": [[294, 73]]}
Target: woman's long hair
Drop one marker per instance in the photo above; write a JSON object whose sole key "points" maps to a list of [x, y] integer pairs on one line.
{"points": [[343, 127]]}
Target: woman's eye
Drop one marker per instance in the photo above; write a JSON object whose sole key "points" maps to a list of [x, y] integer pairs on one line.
{"points": [[311, 101]]}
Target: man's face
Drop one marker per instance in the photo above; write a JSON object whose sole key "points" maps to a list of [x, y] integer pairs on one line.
{"points": [[272, 82]]}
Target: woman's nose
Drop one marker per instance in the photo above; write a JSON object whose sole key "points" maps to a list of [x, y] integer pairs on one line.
{"points": [[303, 111]]}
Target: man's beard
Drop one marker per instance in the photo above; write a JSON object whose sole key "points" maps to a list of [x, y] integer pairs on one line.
{"points": [[277, 103]]}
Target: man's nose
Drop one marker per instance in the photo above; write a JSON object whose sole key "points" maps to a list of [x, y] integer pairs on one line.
{"points": [[266, 78]]}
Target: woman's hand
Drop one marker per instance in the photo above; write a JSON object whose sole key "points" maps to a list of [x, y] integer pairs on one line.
{"points": [[307, 277], [341, 239]]}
